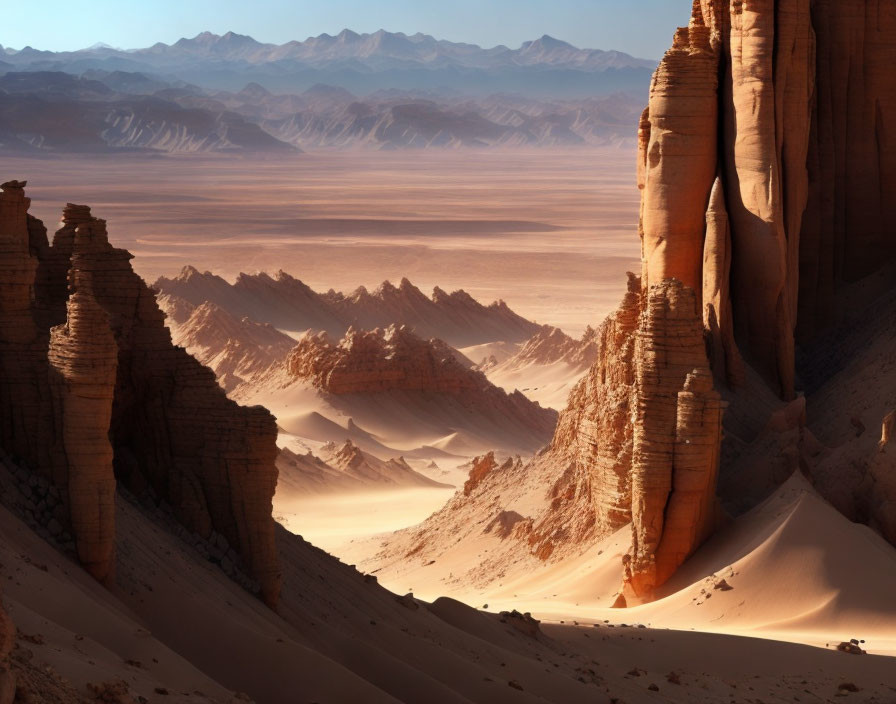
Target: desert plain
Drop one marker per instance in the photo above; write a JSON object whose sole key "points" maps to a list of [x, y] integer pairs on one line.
{"points": [[549, 231]]}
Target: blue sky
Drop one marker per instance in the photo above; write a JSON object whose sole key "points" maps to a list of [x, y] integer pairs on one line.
{"points": [[640, 27]]}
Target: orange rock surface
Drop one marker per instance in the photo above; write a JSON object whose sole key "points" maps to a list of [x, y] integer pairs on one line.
{"points": [[766, 171]]}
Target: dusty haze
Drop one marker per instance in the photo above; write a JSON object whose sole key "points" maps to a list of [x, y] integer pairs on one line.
{"points": [[550, 232]]}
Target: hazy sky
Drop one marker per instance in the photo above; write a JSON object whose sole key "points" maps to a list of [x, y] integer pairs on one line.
{"points": [[640, 27]]}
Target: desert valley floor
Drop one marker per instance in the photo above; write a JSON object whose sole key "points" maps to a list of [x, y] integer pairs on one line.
{"points": [[549, 231]]}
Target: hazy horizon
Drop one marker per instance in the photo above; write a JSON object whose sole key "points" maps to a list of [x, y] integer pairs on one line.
{"points": [[603, 24]]}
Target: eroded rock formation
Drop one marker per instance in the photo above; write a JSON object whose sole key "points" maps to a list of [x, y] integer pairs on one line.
{"points": [[84, 357], [642, 432], [93, 392], [395, 360], [768, 181], [236, 350], [676, 439]]}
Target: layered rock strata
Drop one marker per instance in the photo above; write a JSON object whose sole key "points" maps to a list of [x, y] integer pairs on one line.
{"points": [[642, 434], [676, 440], [395, 360], [93, 392], [766, 168], [84, 357]]}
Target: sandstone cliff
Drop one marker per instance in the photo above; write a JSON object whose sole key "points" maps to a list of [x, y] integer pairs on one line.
{"points": [[765, 170], [93, 393]]}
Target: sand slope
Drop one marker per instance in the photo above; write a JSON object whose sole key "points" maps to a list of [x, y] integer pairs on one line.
{"points": [[545, 368], [341, 638], [416, 424], [798, 571]]}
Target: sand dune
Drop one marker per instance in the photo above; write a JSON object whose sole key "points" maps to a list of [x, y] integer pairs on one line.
{"points": [[797, 570], [361, 643]]}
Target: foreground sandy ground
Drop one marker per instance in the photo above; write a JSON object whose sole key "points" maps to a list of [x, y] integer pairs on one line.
{"points": [[793, 569], [551, 232], [341, 639]]}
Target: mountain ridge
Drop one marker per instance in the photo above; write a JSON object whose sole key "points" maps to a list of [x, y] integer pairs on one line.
{"points": [[378, 60], [288, 304]]}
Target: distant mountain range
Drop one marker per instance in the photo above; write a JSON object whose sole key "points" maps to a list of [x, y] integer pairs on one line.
{"points": [[361, 63], [52, 111], [57, 112], [377, 91]]}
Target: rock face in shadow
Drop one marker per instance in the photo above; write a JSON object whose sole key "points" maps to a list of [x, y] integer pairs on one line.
{"points": [[767, 177], [93, 392], [802, 116], [7, 643]]}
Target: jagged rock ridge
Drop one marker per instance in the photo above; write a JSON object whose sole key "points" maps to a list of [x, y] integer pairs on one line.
{"points": [[288, 304], [93, 392], [235, 350]]}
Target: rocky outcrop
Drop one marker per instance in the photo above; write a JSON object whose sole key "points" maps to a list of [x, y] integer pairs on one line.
{"points": [[595, 431], [482, 467], [802, 159], [395, 360], [93, 392], [397, 371], [380, 360], [676, 439], [641, 435], [680, 158]]}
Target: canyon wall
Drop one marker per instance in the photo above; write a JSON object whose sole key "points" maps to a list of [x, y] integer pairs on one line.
{"points": [[767, 170], [93, 393]]}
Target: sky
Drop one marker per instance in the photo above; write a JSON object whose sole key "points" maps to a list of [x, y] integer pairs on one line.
{"points": [[642, 28]]}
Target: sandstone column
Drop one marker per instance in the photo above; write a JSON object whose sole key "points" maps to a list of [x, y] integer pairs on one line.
{"points": [[83, 355], [717, 316], [677, 430], [681, 157]]}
